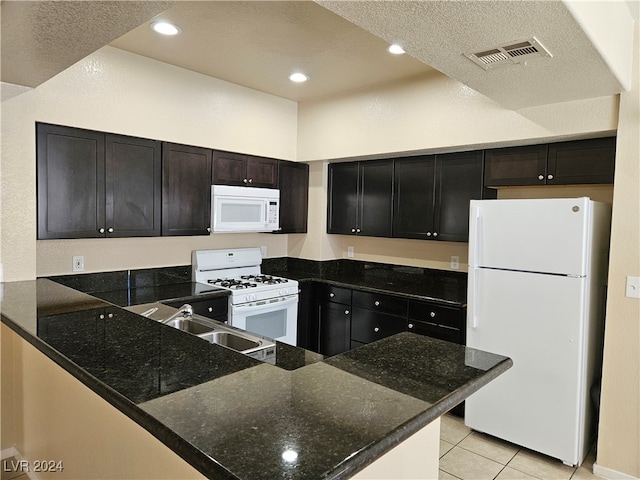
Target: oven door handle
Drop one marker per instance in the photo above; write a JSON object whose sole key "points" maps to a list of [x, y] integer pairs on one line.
{"points": [[253, 307]]}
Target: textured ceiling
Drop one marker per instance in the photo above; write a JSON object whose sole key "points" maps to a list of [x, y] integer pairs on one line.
{"points": [[258, 44], [42, 38], [340, 44]]}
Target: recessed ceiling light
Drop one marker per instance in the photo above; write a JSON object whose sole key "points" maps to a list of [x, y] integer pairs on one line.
{"points": [[298, 77], [165, 28], [395, 49]]}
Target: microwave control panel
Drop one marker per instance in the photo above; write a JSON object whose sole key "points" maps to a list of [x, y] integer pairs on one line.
{"points": [[273, 212]]}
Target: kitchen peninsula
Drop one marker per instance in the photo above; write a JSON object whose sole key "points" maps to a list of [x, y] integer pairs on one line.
{"points": [[226, 415]]}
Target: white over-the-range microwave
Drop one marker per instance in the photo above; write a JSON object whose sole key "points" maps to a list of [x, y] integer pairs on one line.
{"points": [[244, 209]]}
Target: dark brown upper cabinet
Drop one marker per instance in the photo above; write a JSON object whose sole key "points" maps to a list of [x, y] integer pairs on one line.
{"points": [[432, 194], [564, 163], [244, 170], [516, 166], [583, 161], [361, 198], [186, 190], [293, 180], [93, 184]]}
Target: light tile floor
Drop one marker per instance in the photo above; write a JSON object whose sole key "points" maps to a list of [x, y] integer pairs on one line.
{"points": [[469, 455]]}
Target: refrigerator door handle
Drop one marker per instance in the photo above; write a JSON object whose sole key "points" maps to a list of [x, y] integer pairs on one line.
{"points": [[474, 297], [477, 234]]}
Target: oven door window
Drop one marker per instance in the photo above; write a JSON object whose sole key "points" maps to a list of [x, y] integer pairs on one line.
{"points": [[270, 324]]}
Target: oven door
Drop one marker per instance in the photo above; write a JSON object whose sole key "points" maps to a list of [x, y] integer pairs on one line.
{"points": [[276, 318]]}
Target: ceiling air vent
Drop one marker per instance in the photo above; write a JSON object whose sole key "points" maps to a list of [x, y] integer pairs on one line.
{"points": [[509, 54]]}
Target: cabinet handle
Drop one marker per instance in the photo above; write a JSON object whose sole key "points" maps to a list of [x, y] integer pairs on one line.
{"points": [[376, 329], [245, 181], [357, 230], [209, 229], [410, 325], [101, 230], [210, 309], [428, 234], [353, 230], [376, 303], [101, 316], [550, 177], [251, 180], [432, 314], [346, 312], [110, 230], [540, 177], [332, 295], [435, 234]]}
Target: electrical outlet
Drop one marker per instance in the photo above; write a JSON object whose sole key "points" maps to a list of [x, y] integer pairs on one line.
{"points": [[455, 262], [633, 287], [350, 252], [78, 263]]}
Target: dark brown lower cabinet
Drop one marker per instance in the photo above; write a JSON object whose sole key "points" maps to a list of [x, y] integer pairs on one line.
{"points": [[215, 308], [334, 328]]}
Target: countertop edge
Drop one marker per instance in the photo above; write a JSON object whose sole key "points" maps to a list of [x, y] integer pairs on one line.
{"points": [[402, 432], [185, 450]]}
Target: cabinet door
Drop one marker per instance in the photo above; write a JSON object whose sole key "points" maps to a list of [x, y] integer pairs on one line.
{"points": [[413, 197], [71, 183], [368, 326], [334, 328], [582, 161], [343, 198], [229, 168], [186, 190], [262, 172], [375, 198], [458, 180], [133, 186], [294, 196], [516, 166]]}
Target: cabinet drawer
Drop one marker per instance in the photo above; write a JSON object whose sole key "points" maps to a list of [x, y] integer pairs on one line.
{"points": [[437, 331], [334, 294], [380, 303], [436, 314], [215, 308], [368, 326]]}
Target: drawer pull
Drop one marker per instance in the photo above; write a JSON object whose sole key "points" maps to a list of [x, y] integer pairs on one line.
{"points": [[210, 309], [376, 303], [410, 325], [432, 314], [331, 295], [346, 312], [376, 329]]}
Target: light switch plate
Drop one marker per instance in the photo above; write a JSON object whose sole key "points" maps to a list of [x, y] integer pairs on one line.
{"points": [[633, 287]]}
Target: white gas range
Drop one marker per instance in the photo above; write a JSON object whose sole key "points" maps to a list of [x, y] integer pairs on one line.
{"points": [[263, 304]]}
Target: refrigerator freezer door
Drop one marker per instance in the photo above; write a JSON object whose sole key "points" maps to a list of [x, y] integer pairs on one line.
{"points": [[542, 235], [537, 321]]}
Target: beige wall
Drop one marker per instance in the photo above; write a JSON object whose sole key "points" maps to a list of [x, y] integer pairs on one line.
{"points": [[116, 91], [619, 440]]}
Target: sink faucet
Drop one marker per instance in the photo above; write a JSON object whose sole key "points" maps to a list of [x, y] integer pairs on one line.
{"points": [[184, 311]]}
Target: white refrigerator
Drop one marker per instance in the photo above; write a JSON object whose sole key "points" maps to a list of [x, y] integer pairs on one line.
{"points": [[536, 293]]}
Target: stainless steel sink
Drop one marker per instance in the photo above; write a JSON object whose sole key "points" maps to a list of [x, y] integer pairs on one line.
{"points": [[212, 331], [190, 326]]}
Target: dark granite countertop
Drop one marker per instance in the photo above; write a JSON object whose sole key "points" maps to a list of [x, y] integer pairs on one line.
{"points": [[417, 283], [231, 416]]}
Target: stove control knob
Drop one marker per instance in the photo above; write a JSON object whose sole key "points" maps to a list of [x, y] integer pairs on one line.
{"points": [[284, 291]]}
